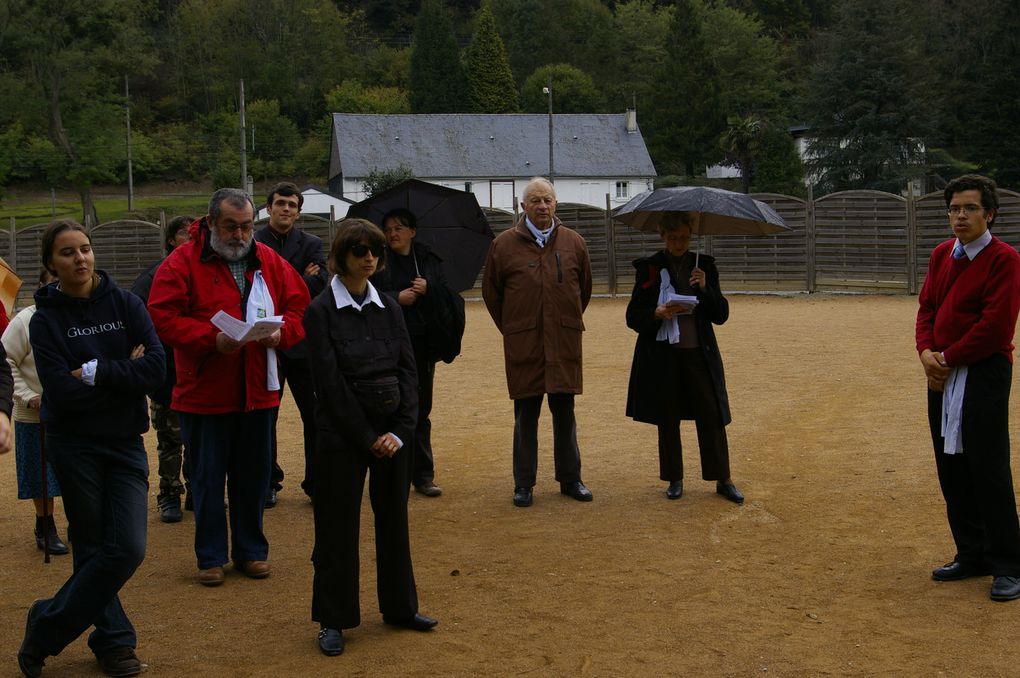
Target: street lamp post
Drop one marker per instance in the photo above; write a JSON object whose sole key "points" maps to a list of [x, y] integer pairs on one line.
{"points": [[548, 92]]}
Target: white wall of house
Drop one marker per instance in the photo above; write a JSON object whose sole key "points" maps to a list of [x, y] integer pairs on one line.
{"points": [[500, 192]]}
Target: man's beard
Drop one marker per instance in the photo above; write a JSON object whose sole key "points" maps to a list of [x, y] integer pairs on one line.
{"points": [[231, 250]]}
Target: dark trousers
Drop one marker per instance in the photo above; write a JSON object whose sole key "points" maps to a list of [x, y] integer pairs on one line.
{"points": [[693, 377], [170, 450], [423, 468], [566, 456], [977, 484], [233, 449], [105, 486], [297, 373], [341, 477]]}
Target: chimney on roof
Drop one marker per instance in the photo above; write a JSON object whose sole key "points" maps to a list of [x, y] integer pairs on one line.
{"points": [[631, 119]]}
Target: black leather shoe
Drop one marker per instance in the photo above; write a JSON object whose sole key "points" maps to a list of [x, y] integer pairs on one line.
{"points": [[956, 570], [271, 499], [429, 489], [170, 509], [675, 489], [331, 641], [56, 546], [30, 658], [120, 661], [1005, 588], [522, 496], [576, 490], [730, 492], [418, 622]]}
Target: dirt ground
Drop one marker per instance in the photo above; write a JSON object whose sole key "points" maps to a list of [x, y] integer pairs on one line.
{"points": [[823, 571]]}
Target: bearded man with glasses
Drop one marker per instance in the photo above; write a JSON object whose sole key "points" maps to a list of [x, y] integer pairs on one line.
{"points": [[227, 392]]}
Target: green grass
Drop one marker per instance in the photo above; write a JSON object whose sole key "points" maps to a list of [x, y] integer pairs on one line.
{"points": [[108, 208]]}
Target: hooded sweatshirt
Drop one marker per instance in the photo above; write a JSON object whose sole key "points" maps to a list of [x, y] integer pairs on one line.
{"points": [[67, 332]]}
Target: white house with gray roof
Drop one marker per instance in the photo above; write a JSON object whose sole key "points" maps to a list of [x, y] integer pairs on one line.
{"points": [[494, 155]]}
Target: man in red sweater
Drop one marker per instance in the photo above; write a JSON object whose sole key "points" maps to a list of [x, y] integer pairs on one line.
{"points": [[965, 324]]}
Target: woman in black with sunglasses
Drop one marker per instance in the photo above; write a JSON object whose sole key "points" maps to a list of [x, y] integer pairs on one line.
{"points": [[366, 392]]}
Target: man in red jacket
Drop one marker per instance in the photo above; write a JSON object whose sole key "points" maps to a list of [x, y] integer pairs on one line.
{"points": [[227, 392], [965, 325]]}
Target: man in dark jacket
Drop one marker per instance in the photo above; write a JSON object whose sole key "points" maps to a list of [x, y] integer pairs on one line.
{"points": [[303, 251], [169, 447]]}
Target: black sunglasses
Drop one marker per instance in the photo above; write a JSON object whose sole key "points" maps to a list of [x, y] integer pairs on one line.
{"points": [[359, 250]]}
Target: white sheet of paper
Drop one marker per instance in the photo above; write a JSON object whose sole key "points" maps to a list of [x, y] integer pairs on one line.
{"points": [[686, 301], [243, 332]]}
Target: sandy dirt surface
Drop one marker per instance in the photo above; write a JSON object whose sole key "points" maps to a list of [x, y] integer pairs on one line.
{"points": [[823, 571]]}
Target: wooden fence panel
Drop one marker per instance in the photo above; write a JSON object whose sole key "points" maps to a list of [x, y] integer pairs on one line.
{"points": [[861, 241], [126, 249]]}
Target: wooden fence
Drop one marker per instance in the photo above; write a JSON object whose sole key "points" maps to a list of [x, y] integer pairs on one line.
{"points": [[857, 241]]}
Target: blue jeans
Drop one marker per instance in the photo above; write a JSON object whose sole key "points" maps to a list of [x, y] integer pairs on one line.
{"points": [[235, 449], [105, 482]]}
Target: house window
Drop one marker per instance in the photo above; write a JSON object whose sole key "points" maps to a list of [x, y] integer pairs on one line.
{"points": [[622, 189]]}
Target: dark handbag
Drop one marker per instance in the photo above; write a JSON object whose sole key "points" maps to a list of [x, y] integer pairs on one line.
{"points": [[379, 396]]}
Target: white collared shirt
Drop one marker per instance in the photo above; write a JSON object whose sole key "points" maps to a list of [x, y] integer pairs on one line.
{"points": [[343, 296], [974, 247]]}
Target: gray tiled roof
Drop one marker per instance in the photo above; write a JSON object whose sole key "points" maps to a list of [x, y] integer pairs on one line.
{"points": [[478, 145]]}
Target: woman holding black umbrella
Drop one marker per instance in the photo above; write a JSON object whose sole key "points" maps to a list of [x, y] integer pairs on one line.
{"points": [[412, 270], [677, 372]]}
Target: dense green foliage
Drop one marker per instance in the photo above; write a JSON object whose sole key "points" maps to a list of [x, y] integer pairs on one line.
{"points": [[889, 90]]}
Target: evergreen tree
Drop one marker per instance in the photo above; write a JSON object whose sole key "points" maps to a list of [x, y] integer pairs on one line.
{"points": [[869, 114], [684, 116], [437, 79], [491, 86]]}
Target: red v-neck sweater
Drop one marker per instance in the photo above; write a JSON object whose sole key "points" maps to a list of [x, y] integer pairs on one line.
{"points": [[968, 309]]}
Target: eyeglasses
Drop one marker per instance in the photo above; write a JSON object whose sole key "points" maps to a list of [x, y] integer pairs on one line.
{"points": [[360, 250], [956, 210]]}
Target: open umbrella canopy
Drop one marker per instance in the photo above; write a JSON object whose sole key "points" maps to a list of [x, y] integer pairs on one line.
{"points": [[710, 211], [449, 221]]}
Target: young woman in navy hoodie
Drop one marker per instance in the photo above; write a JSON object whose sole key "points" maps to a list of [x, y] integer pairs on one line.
{"points": [[97, 355]]}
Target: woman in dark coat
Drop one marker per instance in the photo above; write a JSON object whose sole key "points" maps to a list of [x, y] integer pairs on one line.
{"points": [[411, 268], [677, 372], [366, 394]]}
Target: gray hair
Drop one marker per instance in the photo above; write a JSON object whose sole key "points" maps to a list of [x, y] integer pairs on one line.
{"points": [[233, 196], [535, 183]]}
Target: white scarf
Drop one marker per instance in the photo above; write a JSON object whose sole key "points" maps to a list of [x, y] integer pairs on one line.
{"points": [[952, 410], [670, 328], [260, 305]]}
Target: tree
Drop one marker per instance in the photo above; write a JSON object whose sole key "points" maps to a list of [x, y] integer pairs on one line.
{"points": [[353, 97], [491, 86], [742, 141], [379, 180], [777, 165], [437, 80], [684, 117], [73, 56], [640, 33], [738, 48], [867, 106], [573, 91]]}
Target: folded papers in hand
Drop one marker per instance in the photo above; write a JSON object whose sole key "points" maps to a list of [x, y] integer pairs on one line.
{"points": [[243, 332]]}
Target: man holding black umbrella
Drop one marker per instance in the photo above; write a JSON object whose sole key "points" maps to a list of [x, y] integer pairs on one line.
{"points": [[536, 286]]}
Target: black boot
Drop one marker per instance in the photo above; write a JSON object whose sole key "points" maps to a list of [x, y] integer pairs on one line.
{"points": [[47, 526]]}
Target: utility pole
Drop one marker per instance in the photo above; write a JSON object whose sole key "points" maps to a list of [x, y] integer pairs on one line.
{"points": [[548, 91], [127, 112], [244, 141]]}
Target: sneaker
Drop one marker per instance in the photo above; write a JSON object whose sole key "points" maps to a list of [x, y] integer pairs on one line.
{"points": [[120, 661], [170, 508], [429, 489]]}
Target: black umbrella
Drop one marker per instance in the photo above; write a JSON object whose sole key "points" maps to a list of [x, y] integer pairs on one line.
{"points": [[709, 211], [449, 221]]}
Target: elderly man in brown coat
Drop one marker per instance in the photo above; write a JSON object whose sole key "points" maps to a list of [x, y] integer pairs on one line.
{"points": [[537, 284]]}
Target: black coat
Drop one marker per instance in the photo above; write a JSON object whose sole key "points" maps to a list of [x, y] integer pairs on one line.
{"points": [[651, 398], [141, 288], [299, 249]]}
